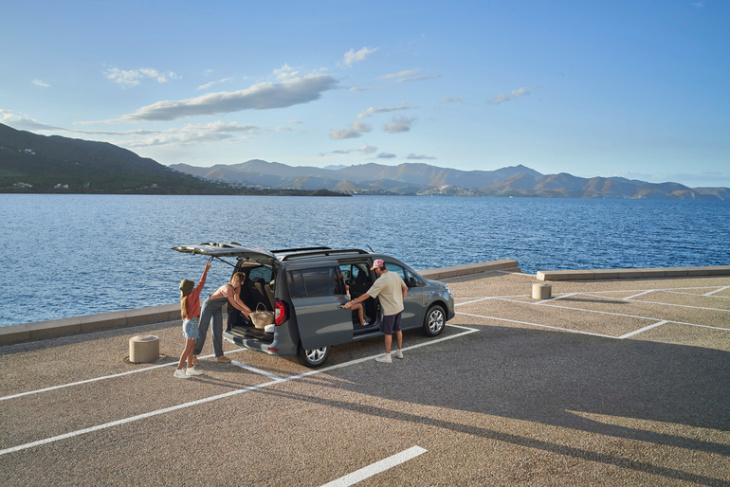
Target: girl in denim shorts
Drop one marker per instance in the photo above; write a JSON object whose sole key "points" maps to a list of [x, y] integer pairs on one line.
{"points": [[190, 313]]}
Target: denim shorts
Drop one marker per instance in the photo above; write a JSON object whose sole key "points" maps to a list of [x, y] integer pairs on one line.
{"points": [[190, 328], [390, 323]]}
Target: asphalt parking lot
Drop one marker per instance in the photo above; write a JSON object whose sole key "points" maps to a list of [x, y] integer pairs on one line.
{"points": [[621, 382]]}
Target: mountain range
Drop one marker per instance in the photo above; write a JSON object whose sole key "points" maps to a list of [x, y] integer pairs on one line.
{"points": [[424, 179], [37, 163]]}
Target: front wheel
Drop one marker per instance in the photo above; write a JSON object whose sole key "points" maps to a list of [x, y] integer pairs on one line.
{"points": [[434, 322], [313, 357]]}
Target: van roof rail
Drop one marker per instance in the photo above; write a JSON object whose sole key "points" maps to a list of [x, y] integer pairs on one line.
{"points": [[321, 252], [281, 251]]}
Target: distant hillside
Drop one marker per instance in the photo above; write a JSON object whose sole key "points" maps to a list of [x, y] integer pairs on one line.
{"points": [[36, 163], [423, 179], [40, 164]]}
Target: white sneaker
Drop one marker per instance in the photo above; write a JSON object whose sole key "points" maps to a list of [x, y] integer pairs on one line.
{"points": [[180, 374], [384, 359], [193, 371], [269, 328], [399, 353]]}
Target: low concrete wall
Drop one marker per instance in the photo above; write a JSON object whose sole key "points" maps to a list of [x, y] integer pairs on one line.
{"points": [[157, 314], [508, 265], [83, 324], [27, 332], [721, 270]]}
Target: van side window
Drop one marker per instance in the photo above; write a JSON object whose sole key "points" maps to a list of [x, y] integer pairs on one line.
{"points": [[408, 277], [310, 283]]}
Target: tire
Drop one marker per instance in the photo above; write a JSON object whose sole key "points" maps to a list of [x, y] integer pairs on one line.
{"points": [[313, 358], [434, 322]]}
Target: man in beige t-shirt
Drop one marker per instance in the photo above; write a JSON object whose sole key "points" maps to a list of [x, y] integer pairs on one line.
{"points": [[391, 290]]}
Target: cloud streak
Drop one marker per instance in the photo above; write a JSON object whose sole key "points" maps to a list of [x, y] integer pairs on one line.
{"points": [[375, 110], [128, 78], [261, 96], [518, 93], [398, 125], [201, 133], [365, 150], [409, 75], [352, 57]]}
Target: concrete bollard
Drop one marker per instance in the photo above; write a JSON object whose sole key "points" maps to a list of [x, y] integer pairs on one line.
{"points": [[541, 291], [144, 349]]}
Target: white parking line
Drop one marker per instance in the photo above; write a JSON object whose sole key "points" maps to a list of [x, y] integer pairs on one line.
{"points": [[158, 412], [538, 325], [716, 291], [377, 467], [96, 379], [256, 371], [642, 330], [640, 294]]}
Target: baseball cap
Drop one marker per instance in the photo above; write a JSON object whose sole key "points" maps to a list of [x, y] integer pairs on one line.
{"points": [[377, 264]]}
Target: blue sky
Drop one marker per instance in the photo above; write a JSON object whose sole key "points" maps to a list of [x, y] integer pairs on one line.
{"points": [[637, 89]]}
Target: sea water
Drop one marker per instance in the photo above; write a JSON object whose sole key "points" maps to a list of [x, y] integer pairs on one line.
{"points": [[69, 255]]}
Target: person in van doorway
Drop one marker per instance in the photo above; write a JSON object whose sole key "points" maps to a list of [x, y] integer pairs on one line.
{"points": [[391, 290], [190, 313], [357, 307], [229, 293]]}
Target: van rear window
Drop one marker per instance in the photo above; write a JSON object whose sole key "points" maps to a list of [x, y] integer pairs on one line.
{"points": [[311, 283]]}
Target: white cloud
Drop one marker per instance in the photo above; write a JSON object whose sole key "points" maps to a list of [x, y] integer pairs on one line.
{"points": [[132, 77], [366, 149], [399, 125], [419, 78], [386, 155], [352, 57], [344, 134], [410, 75], [213, 83], [285, 72], [360, 127], [420, 157], [356, 128], [201, 133], [373, 110], [402, 74], [518, 93], [355, 89], [40, 83], [452, 99], [260, 96], [289, 127]]}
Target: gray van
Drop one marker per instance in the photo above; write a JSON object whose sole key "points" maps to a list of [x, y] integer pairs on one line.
{"points": [[306, 287]]}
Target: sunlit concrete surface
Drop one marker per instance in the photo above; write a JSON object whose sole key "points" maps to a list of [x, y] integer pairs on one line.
{"points": [[608, 382]]}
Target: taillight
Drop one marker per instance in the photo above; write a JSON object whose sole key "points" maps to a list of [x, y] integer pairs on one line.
{"points": [[282, 312]]}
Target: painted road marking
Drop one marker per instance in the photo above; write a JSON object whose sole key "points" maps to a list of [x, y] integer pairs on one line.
{"points": [[96, 379], [537, 324], [377, 467], [235, 392], [716, 291], [256, 371], [640, 294], [642, 330]]}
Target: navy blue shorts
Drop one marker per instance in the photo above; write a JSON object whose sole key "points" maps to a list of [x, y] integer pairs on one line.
{"points": [[390, 323]]}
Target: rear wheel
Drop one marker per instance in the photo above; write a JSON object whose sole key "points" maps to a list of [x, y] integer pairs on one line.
{"points": [[433, 323], [313, 357]]}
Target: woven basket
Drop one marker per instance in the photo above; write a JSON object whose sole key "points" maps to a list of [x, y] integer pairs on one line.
{"points": [[261, 318]]}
